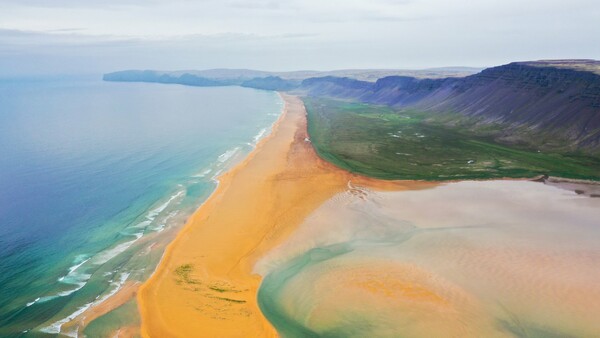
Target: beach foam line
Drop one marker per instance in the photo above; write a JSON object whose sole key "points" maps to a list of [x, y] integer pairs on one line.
{"points": [[215, 177], [260, 135], [155, 212], [117, 286], [72, 270], [160, 227], [202, 174], [142, 224], [266, 131], [55, 328], [80, 279], [106, 255], [78, 287], [73, 277], [33, 302], [224, 157]]}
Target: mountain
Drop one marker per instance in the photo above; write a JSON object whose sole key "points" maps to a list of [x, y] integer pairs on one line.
{"points": [[337, 87], [556, 102]]}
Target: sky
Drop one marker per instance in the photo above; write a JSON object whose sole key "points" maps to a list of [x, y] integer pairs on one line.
{"points": [[45, 37]]}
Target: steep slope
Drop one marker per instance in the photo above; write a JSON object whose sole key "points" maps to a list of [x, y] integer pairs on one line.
{"points": [[543, 99], [531, 102], [341, 87], [271, 83]]}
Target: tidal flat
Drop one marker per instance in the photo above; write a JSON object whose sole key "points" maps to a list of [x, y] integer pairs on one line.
{"points": [[471, 259]]}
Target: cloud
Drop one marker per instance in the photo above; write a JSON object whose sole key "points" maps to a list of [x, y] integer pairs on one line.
{"points": [[12, 39], [58, 38], [257, 4], [293, 34], [76, 3]]}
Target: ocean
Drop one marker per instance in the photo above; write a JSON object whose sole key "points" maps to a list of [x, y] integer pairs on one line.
{"points": [[92, 173]]}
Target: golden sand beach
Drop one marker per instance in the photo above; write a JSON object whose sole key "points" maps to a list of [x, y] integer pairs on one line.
{"points": [[205, 285]]}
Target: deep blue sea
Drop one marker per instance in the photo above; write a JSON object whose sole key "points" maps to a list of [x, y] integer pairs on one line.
{"points": [[88, 169]]}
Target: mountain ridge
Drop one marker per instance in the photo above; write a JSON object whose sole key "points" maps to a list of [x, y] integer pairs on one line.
{"points": [[551, 104]]}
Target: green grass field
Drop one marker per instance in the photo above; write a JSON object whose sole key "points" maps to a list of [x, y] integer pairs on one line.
{"points": [[385, 143]]}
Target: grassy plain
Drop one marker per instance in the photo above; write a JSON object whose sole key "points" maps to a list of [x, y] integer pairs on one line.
{"points": [[385, 143]]}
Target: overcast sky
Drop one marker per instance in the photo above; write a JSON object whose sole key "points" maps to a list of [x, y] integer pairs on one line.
{"points": [[94, 36]]}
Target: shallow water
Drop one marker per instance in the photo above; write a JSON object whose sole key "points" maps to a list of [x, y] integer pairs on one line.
{"points": [[467, 259], [92, 173]]}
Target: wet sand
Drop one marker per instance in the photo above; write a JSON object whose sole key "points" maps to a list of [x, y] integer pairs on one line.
{"points": [[126, 293], [205, 285], [465, 259]]}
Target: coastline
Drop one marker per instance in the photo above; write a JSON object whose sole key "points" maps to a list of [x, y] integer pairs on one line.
{"points": [[297, 164], [147, 250], [205, 282]]}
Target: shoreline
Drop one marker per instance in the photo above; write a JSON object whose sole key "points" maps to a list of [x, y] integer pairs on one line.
{"points": [[112, 299], [354, 179], [218, 181], [205, 280]]}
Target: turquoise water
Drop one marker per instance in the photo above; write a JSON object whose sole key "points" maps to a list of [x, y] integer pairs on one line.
{"points": [[88, 169]]}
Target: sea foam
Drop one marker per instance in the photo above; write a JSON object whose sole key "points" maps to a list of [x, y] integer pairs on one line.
{"points": [[55, 328], [203, 173], [260, 135], [224, 157]]}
